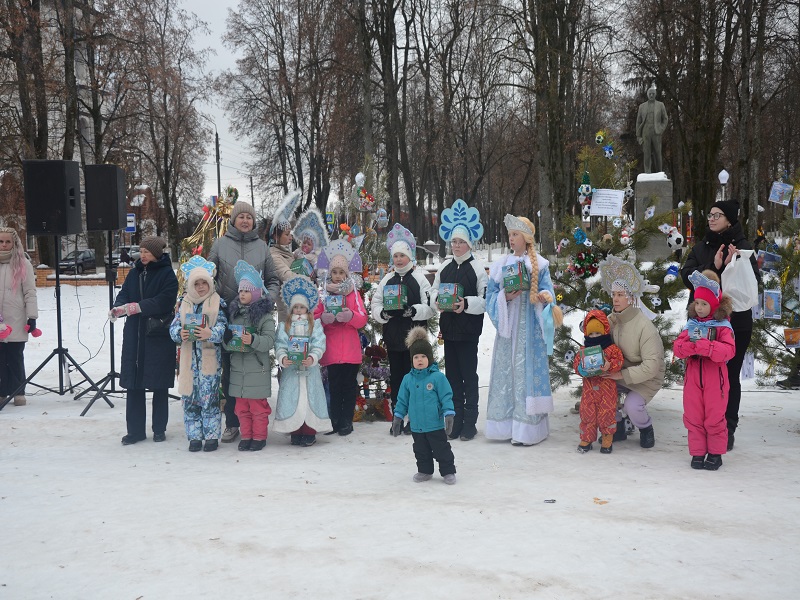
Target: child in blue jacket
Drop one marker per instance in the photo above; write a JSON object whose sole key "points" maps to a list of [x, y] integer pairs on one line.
{"points": [[426, 396]]}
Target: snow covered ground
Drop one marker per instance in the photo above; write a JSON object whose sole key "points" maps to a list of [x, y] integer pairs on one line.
{"points": [[85, 517]]}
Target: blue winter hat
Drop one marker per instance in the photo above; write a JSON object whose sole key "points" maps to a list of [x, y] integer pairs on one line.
{"points": [[248, 279]]}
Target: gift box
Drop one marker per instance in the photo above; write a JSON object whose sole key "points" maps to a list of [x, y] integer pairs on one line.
{"points": [[298, 349], [193, 322], [334, 304], [395, 297], [592, 359], [236, 344], [302, 266], [449, 294], [516, 277], [697, 332]]}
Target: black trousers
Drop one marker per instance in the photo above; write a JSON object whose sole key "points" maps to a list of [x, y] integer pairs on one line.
{"points": [[12, 368], [399, 367], [231, 420], [136, 412], [344, 390], [742, 323], [461, 370], [428, 446]]}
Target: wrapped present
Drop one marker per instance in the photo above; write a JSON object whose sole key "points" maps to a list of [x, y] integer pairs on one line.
{"points": [[700, 331], [334, 304], [395, 297], [516, 277], [236, 344], [302, 266], [592, 359], [298, 349], [193, 322], [449, 294]]}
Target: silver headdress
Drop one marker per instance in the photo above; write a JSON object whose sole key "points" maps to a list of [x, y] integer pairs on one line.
{"points": [[618, 275], [513, 223]]}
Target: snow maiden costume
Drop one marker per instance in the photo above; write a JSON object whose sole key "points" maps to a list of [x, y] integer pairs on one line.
{"points": [[301, 409], [520, 397], [310, 231], [282, 256], [200, 365], [461, 330]]}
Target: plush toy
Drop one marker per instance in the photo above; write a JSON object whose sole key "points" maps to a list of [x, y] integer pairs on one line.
{"points": [[675, 239]]}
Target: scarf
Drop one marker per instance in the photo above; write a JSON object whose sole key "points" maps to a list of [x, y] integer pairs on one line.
{"points": [[707, 322], [604, 341], [339, 289], [463, 258], [5, 256], [404, 270], [208, 360]]}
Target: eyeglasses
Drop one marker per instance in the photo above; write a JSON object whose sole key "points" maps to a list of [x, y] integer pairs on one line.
{"points": [[715, 216]]}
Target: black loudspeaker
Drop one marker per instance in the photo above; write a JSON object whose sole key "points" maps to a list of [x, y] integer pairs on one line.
{"points": [[105, 198], [52, 197]]}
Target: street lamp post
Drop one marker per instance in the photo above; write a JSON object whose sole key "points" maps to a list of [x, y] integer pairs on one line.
{"points": [[723, 181]]}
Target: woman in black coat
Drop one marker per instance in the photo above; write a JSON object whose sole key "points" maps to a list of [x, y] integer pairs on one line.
{"points": [[148, 358], [723, 238]]}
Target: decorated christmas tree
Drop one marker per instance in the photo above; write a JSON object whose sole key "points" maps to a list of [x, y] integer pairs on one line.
{"points": [[776, 328]]}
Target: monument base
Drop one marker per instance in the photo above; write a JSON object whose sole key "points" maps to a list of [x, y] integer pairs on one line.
{"points": [[653, 189]]}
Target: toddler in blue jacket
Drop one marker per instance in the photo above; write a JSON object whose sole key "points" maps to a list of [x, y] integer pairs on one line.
{"points": [[426, 397]]}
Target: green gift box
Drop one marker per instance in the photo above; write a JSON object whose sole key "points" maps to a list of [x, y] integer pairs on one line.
{"points": [[395, 297], [236, 344], [192, 322], [592, 359], [334, 304], [298, 349], [516, 277], [449, 293], [302, 266]]}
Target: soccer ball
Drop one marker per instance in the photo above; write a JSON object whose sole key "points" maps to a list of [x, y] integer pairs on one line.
{"points": [[599, 139], [608, 151], [586, 211], [675, 240]]}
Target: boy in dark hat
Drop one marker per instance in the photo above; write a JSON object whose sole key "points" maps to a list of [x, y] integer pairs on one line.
{"points": [[426, 396]]}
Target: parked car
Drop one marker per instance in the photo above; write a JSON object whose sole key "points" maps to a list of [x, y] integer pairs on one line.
{"points": [[133, 252], [78, 261]]}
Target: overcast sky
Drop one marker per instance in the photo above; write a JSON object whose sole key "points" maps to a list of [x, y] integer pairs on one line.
{"points": [[233, 153]]}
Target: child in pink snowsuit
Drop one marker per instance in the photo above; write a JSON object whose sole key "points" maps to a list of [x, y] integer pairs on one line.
{"points": [[706, 343]]}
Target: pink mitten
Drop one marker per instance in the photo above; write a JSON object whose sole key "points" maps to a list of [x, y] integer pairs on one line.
{"points": [[703, 346], [132, 308], [327, 318], [345, 315], [117, 312], [5, 331]]}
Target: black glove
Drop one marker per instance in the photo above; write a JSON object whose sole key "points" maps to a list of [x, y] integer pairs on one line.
{"points": [[397, 426], [398, 312], [227, 336], [448, 424], [410, 312], [31, 325], [385, 316]]}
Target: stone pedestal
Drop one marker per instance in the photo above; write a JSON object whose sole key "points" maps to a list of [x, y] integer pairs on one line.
{"points": [[653, 189]]}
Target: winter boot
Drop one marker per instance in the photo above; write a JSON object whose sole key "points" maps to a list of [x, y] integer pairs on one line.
{"points": [[420, 477], [211, 445], [713, 462], [308, 440], [698, 462], [20, 400], [606, 446], [129, 439], [244, 445], [731, 440], [160, 437], [195, 445], [257, 445], [450, 479], [584, 447], [345, 429], [647, 437], [230, 434], [296, 440], [621, 434]]}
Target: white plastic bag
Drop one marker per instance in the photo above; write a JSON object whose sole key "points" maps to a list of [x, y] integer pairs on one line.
{"points": [[739, 282]]}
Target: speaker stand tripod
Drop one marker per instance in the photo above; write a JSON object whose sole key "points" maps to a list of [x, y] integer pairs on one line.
{"points": [[109, 379], [60, 352]]}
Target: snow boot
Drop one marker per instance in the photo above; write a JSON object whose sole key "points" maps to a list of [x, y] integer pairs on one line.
{"points": [[20, 400], [605, 444], [195, 445], [160, 437], [584, 447], [257, 445], [345, 429], [647, 437], [211, 445], [132, 439], [621, 434], [450, 479], [244, 445], [420, 477], [698, 462], [713, 462]]}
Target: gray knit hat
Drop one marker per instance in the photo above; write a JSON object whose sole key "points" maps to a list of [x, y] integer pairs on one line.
{"points": [[242, 207], [154, 245]]}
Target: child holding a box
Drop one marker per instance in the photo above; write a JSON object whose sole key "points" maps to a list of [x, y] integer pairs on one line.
{"points": [[200, 364], [459, 293], [342, 313], [301, 409], [707, 344], [599, 396], [520, 303], [249, 338], [401, 300]]}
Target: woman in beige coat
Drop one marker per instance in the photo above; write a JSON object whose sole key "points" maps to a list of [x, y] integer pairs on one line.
{"points": [[643, 368]]}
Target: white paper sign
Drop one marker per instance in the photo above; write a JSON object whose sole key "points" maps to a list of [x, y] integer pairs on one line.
{"points": [[607, 203]]}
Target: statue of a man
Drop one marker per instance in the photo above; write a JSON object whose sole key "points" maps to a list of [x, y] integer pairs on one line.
{"points": [[650, 124]]}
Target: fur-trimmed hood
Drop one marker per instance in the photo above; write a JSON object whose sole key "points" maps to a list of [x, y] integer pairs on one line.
{"points": [[722, 313], [255, 310]]}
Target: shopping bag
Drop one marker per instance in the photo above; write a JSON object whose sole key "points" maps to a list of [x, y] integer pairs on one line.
{"points": [[739, 281]]}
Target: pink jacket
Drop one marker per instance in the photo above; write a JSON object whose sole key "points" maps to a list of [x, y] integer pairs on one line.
{"points": [[343, 344], [706, 372]]}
